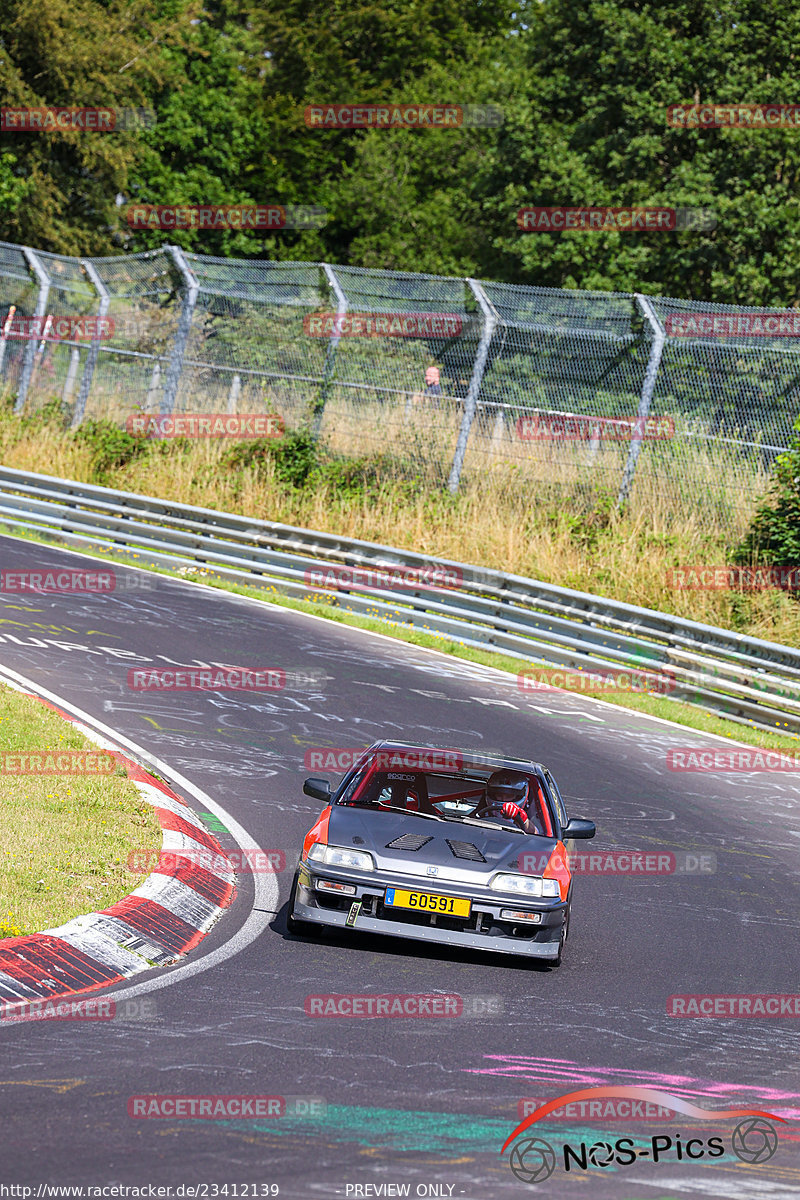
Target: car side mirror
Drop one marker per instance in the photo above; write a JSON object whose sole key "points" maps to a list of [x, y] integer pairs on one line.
{"points": [[319, 788], [576, 827]]}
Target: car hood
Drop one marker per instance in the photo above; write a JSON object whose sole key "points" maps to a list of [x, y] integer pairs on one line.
{"points": [[459, 852]]}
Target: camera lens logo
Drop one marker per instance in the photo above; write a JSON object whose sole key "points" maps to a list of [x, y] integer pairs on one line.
{"points": [[533, 1160], [754, 1140], [601, 1154]]}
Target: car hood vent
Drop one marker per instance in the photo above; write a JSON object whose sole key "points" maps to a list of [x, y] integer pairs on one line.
{"points": [[465, 850], [409, 841]]}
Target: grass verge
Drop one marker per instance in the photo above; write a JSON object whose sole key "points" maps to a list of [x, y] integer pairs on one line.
{"points": [[64, 839]]}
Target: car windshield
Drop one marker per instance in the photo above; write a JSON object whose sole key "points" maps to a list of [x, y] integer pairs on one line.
{"points": [[446, 795]]}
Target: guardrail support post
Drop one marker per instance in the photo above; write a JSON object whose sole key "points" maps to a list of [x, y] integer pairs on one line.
{"points": [[41, 307], [646, 396], [318, 405], [175, 365], [490, 319], [94, 349]]}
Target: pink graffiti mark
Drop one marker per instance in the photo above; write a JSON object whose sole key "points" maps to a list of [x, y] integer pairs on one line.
{"points": [[665, 1099], [564, 1071]]}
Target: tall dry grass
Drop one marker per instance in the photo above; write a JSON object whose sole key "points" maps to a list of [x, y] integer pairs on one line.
{"points": [[521, 508]]}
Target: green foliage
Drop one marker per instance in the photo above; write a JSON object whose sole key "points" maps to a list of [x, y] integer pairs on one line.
{"points": [[366, 476], [13, 188], [584, 89], [111, 446], [774, 536], [82, 53], [293, 456], [8, 928], [51, 415]]}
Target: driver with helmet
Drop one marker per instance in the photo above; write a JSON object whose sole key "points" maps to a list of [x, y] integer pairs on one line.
{"points": [[508, 798]]}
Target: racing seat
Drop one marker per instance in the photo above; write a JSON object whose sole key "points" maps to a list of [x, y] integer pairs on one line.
{"points": [[411, 795]]}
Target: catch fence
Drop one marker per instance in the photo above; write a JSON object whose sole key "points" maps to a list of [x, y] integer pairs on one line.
{"points": [[575, 394]]}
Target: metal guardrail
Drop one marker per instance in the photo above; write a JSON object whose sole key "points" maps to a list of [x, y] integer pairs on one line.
{"points": [[739, 677]]}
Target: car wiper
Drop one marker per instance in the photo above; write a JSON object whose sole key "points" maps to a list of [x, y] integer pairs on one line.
{"points": [[484, 824], [406, 812]]}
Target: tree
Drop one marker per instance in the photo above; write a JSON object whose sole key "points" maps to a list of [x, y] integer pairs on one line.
{"points": [[79, 53]]}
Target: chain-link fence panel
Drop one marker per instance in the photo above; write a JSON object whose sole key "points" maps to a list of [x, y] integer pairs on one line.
{"points": [[579, 394], [561, 388], [247, 351], [401, 352]]}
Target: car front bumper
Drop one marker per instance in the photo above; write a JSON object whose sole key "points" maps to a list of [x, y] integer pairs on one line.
{"points": [[483, 930]]}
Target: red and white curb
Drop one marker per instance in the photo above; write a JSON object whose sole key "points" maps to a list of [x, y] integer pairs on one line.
{"points": [[155, 925]]}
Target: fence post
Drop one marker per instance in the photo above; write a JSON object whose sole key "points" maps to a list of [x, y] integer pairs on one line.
{"points": [[94, 349], [175, 365], [233, 394], [6, 326], [41, 308], [490, 319], [153, 389], [72, 371], [646, 396], [318, 406]]}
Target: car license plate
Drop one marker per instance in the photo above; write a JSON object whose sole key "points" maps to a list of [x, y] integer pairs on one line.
{"points": [[424, 902]]}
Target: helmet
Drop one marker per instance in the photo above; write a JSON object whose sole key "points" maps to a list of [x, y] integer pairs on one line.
{"points": [[503, 786]]}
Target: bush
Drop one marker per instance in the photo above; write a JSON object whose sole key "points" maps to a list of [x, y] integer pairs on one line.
{"points": [[774, 535], [52, 413], [111, 446], [294, 456]]}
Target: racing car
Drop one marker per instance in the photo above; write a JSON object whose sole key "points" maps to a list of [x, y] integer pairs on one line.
{"points": [[439, 845]]}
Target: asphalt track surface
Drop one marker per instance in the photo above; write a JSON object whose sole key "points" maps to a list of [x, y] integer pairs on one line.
{"points": [[420, 1102]]}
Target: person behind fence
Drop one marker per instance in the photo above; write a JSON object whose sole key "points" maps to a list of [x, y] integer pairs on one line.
{"points": [[432, 384]]}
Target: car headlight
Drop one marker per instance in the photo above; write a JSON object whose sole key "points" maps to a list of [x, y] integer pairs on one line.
{"points": [[525, 885], [341, 856]]}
